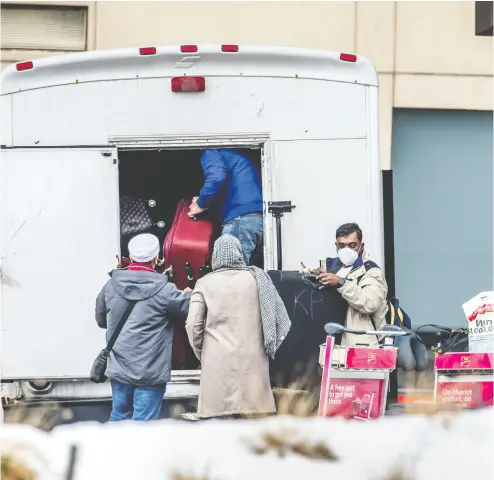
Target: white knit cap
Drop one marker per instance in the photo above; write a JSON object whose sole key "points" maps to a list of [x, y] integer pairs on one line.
{"points": [[144, 248]]}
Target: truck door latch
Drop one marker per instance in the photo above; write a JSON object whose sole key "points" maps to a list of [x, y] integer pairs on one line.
{"points": [[278, 209]]}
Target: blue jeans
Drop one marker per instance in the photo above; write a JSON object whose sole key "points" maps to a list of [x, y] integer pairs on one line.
{"points": [[248, 229], [130, 402]]}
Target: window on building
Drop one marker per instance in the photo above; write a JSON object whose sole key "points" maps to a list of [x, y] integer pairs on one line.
{"points": [[43, 27], [483, 18]]}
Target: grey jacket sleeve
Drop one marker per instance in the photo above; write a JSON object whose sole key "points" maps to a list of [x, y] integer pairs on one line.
{"points": [[369, 295], [100, 311], [178, 302]]}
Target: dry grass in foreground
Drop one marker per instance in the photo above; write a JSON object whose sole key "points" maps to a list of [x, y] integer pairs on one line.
{"points": [[43, 418], [298, 400], [182, 476], [285, 441], [12, 469]]}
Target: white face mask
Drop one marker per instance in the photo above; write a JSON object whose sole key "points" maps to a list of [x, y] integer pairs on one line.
{"points": [[347, 256]]}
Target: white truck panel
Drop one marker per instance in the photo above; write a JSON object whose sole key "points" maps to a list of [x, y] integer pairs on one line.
{"points": [[315, 115], [376, 236], [250, 61], [59, 239], [288, 109], [320, 178], [6, 120]]}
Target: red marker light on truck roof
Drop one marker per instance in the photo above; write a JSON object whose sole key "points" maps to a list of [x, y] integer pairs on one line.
{"points": [[348, 57], [188, 84], [229, 48], [24, 66], [188, 48], [147, 51]]}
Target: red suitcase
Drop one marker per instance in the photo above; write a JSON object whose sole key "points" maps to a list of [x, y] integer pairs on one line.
{"points": [[188, 246], [187, 249]]}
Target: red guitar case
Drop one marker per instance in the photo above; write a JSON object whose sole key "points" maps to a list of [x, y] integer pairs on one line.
{"points": [[187, 249]]}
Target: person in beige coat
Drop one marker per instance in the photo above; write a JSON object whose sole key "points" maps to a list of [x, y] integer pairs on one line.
{"points": [[236, 320], [360, 282]]}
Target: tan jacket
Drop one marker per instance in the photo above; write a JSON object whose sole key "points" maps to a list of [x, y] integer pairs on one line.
{"points": [[365, 292], [225, 331]]}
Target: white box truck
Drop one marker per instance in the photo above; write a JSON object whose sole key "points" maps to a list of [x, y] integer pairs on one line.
{"points": [[78, 131]]}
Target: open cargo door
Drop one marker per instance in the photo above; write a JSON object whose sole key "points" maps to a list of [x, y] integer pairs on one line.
{"points": [[59, 240], [330, 183]]}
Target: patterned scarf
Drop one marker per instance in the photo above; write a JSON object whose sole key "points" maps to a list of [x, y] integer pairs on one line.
{"points": [[276, 324]]}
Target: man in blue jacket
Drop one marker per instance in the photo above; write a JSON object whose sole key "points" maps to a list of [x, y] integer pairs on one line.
{"points": [[232, 190]]}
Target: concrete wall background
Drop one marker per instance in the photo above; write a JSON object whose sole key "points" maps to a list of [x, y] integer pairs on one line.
{"points": [[443, 211], [426, 53]]}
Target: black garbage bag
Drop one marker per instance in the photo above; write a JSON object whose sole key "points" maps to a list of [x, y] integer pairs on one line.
{"points": [[309, 308]]}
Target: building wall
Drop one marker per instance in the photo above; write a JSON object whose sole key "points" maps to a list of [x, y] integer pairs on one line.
{"points": [[426, 53], [443, 211]]}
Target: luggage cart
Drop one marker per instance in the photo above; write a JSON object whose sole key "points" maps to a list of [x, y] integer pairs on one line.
{"points": [[355, 379], [464, 380]]}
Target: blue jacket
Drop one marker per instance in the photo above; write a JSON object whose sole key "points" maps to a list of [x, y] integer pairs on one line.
{"points": [[232, 185]]}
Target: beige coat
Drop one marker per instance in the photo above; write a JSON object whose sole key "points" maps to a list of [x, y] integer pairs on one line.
{"points": [[365, 292], [225, 331]]}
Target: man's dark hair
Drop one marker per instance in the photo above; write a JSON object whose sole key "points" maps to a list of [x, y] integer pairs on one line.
{"points": [[348, 229]]}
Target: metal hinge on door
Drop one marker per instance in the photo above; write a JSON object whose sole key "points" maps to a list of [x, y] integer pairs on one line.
{"points": [[108, 153]]}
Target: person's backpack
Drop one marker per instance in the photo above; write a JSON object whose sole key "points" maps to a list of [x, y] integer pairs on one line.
{"points": [[395, 314], [412, 351]]}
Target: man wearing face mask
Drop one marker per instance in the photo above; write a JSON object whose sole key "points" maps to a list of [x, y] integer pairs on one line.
{"points": [[360, 282]]}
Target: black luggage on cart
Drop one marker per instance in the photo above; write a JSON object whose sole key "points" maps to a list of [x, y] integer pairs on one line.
{"points": [[309, 309]]}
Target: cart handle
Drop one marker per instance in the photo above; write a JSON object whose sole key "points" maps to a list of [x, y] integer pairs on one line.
{"points": [[333, 329]]}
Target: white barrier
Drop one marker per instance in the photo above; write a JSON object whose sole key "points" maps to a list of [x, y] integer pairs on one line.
{"points": [[444, 446]]}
